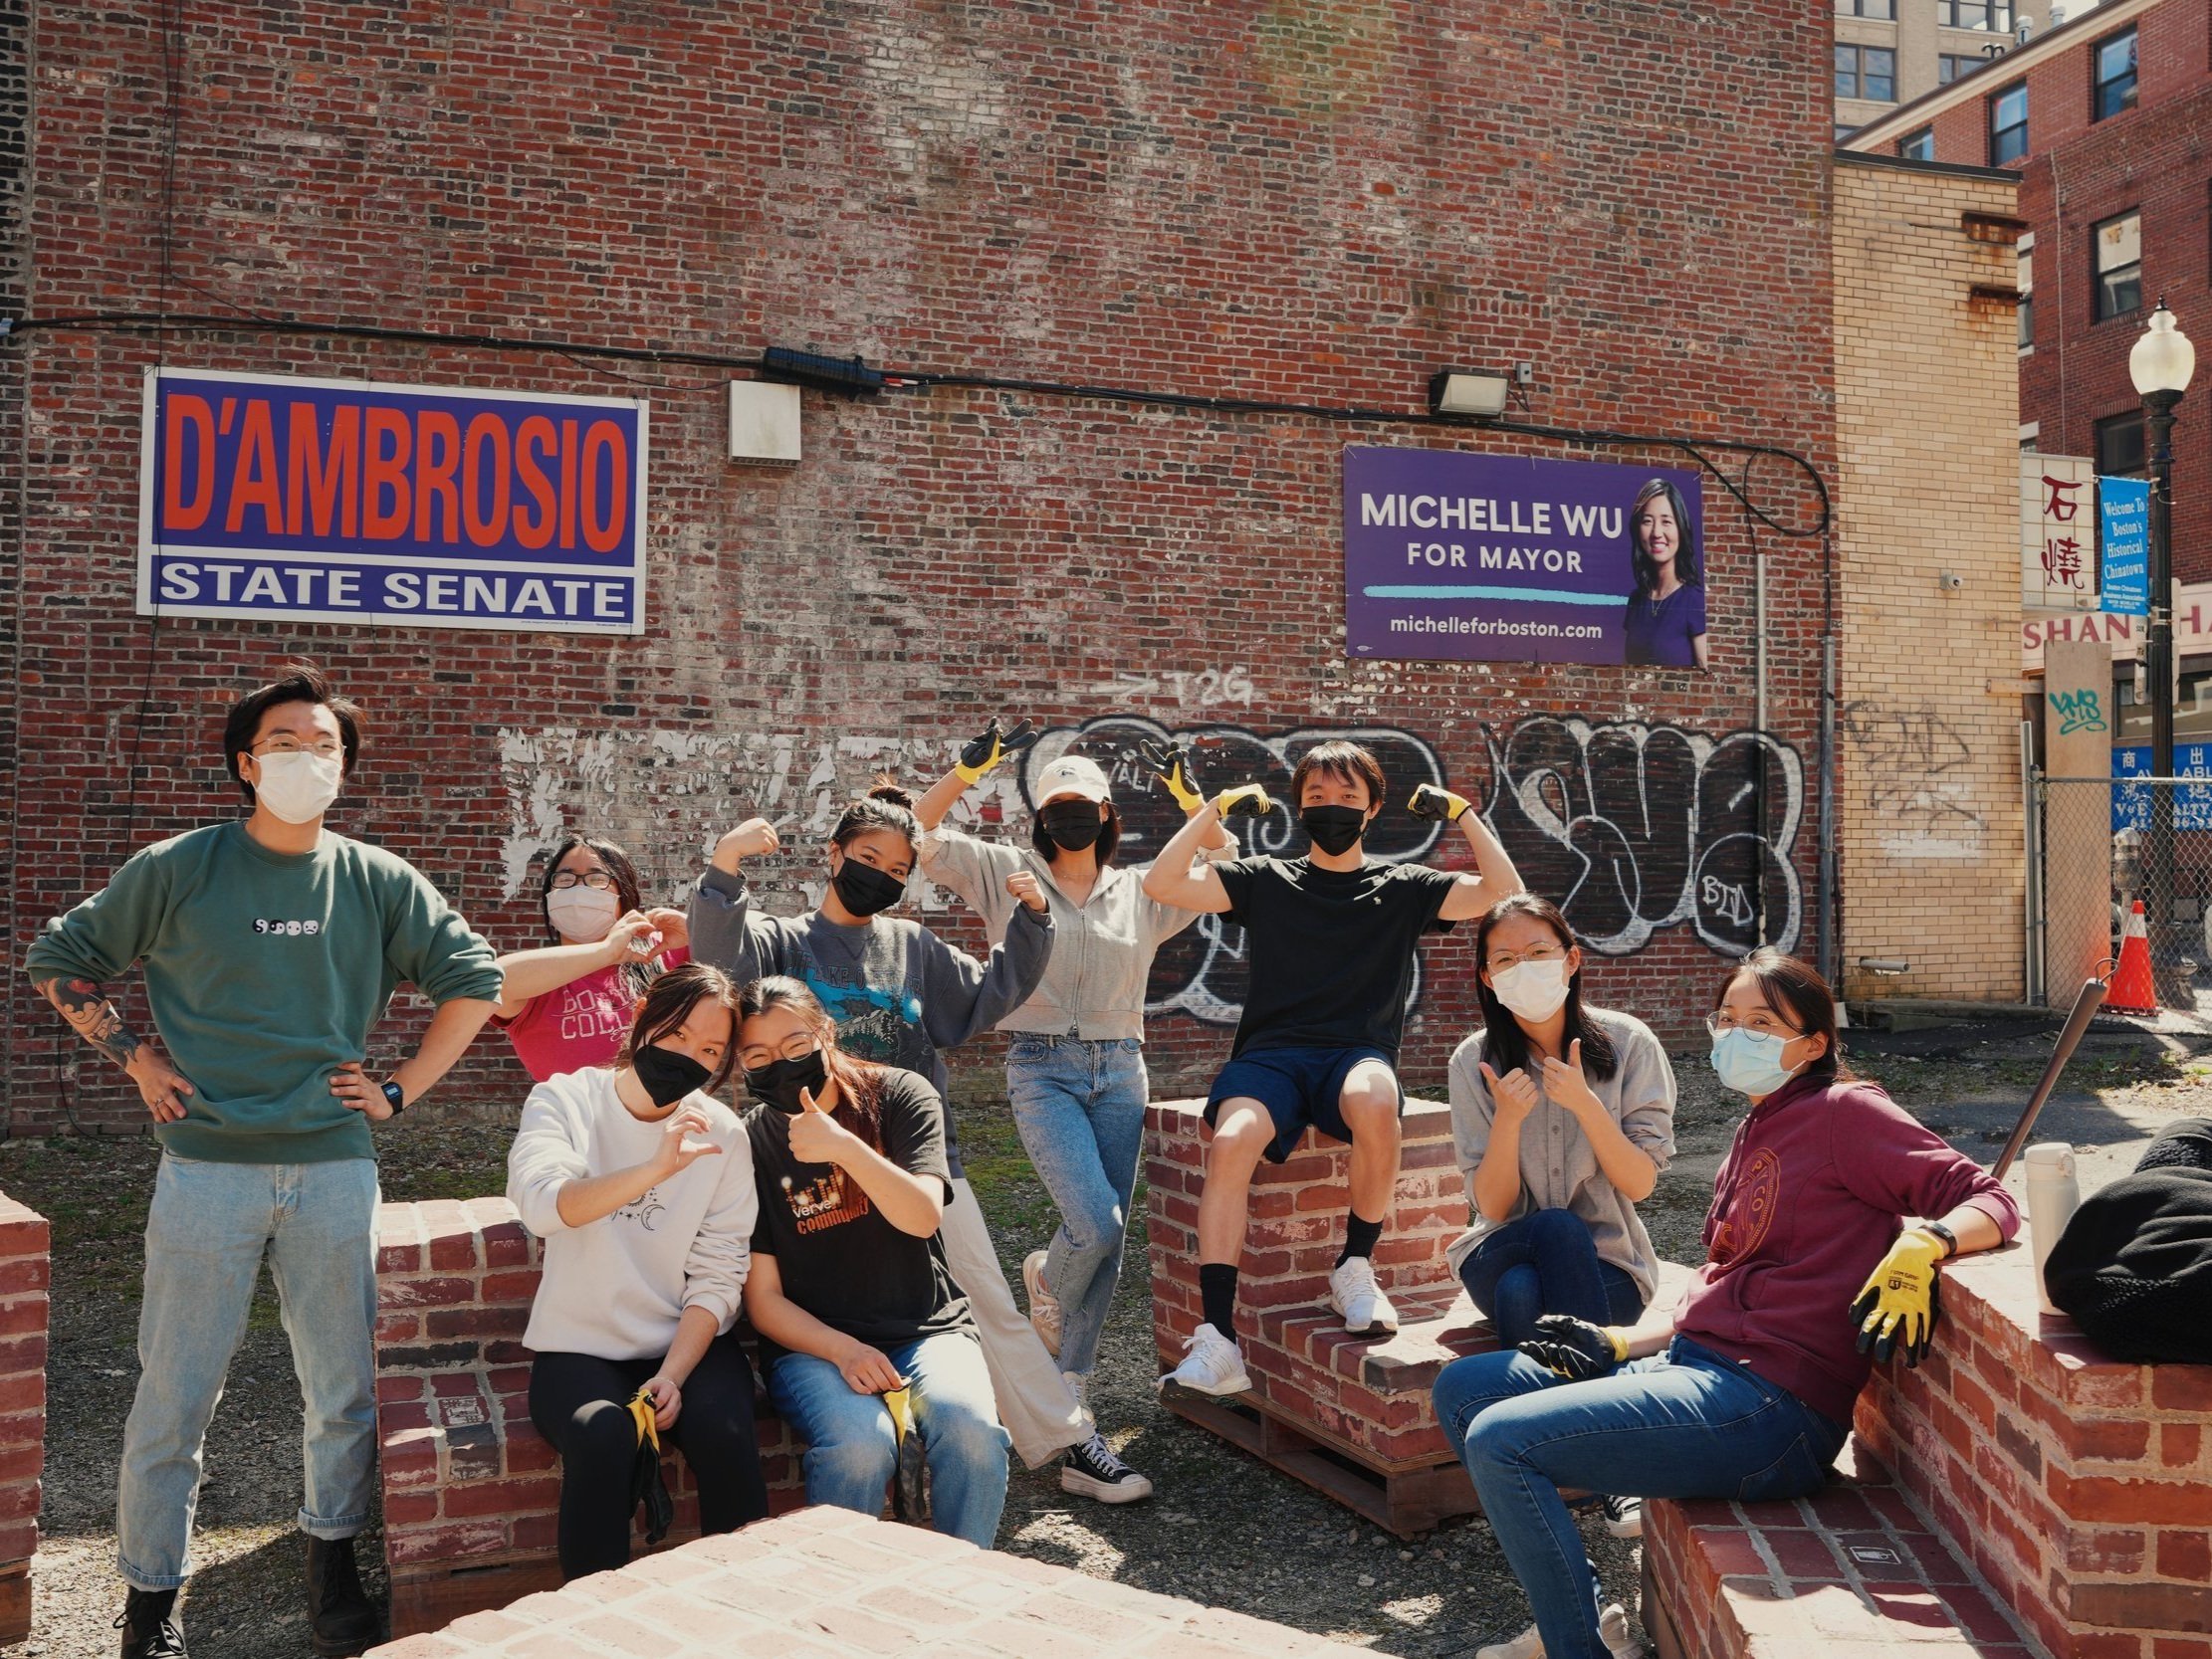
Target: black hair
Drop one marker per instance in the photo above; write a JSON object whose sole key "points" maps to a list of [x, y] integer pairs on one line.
{"points": [[1507, 1045], [295, 681], [627, 887], [665, 1007], [1686, 565], [885, 807], [1795, 990], [859, 1082], [1342, 759], [1109, 836]]}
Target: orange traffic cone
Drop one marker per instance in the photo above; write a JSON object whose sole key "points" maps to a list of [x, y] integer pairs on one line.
{"points": [[2133, 990]]}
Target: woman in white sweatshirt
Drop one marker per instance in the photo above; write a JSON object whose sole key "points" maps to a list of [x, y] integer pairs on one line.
{"points": [[640, 1183]]}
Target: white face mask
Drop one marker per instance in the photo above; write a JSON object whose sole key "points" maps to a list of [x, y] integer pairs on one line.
{"points": [[1533, 991], [298, 788], [581, 914]]}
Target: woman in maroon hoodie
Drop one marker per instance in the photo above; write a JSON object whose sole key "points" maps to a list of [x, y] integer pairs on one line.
{"points": [[1746, 1392]]}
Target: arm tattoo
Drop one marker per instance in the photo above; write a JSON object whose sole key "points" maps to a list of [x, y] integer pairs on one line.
{"points": [[90, 1012]]}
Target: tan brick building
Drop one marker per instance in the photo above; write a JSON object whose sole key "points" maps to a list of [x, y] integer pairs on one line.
{"points": [[1931, 857]]}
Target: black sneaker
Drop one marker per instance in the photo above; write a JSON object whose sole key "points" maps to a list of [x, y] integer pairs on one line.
{"points": [[1092, 1471], [149, 1627], [1624, 1516], [341, 1620]]}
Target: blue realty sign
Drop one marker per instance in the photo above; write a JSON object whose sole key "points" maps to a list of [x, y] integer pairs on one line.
{"points": [[2124, 512], [2192, 804]]}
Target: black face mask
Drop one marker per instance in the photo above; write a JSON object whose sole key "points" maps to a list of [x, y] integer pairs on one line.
{"points": [[778, 1082], [667, 1075], [1072, 825], [863, 890], [1334, 829]]}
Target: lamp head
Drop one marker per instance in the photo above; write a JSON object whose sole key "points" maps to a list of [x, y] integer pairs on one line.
{"points": [[2162, 359]]}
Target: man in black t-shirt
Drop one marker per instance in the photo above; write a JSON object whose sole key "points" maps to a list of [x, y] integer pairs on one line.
{"points": [[1331, 940]]}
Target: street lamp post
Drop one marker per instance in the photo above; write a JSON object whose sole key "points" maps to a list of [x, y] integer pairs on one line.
{"points": [[2160, 365]]}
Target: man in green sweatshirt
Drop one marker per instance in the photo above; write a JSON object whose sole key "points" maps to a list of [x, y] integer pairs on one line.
{"points": [[271, 948]]}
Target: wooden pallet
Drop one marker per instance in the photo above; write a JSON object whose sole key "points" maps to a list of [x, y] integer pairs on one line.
{"points": [[1407, 1498]]}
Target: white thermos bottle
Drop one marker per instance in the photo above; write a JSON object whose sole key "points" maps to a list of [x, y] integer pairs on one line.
{"points": [[2053, 1197]]}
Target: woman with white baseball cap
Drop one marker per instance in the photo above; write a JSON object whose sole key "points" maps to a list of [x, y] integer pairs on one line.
{"points": [[1075, 1066]]}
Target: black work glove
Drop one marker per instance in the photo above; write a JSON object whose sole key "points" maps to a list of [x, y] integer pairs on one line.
{"points": [[1575, 1348], [1171, 765], [1432, 802], [993, 745]]}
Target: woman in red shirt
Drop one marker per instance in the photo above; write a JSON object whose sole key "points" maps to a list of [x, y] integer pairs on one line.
{"points": [[1745, 1392]]}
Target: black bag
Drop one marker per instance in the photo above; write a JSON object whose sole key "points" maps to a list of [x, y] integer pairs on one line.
{"points": [[2134, 1265], [646, 1485]]}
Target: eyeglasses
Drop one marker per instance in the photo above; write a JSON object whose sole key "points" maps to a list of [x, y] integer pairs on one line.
{"points": [[324, 751], [600, 881], [1763, 1023], [1501, 960], [797, 1047]]}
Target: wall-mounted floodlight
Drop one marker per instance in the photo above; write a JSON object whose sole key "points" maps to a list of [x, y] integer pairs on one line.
{"points": [[1464, 392]]}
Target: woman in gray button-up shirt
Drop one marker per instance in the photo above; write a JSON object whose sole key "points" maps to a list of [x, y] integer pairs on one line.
{"points": [[1563, 1117], [1075, 1069]]}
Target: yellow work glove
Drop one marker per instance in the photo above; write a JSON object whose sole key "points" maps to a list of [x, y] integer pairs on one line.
{"points": [[910, 1493], [1246, 800], [1432, 802], [991, 746], [1171, 765], [1898, 1307]]}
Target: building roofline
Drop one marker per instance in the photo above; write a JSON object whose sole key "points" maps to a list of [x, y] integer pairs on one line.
{"points": [[1883, 129], [1949, 169]]}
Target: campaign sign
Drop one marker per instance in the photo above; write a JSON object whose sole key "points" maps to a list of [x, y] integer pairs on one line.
{"points": [[1448, 555], [2123, 515], [340, 500]]}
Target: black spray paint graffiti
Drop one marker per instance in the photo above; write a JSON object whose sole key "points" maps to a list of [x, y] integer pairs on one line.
{"points": [[1631, 828], [1201, 970]]}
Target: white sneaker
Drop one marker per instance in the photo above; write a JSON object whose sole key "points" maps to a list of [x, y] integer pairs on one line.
{"points": [[1352, 1292], [1612, 1630], [1211, 1367], [1090, 1470], [1045, 1307], [1624, 1516]]}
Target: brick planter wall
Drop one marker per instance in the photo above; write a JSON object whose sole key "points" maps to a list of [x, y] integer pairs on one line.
{"points": [[471, 1490], [25, 1245], [2080, 1488]]}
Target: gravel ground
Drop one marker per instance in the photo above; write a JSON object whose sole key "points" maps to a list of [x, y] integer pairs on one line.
{"points": [[1223, 1529]]}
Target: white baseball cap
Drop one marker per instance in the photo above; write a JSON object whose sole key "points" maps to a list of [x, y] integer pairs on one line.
{"points": [[1072, 775]]}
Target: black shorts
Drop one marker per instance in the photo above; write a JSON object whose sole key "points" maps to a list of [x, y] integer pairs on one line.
{"points": [[1301, 1087]]}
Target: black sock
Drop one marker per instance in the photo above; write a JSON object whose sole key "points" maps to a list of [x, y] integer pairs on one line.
{"points": [[1359, 1237], [1218, 1296]]}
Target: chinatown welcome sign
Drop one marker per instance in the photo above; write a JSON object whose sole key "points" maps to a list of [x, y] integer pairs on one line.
{"points": [[1451, 555], [344, 501]]}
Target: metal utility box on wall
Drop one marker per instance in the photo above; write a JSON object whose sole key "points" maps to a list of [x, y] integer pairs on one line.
{"points": [[763, 422]]}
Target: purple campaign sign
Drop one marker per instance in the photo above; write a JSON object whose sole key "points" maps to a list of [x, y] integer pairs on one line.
{"points": [[1448, 555]]}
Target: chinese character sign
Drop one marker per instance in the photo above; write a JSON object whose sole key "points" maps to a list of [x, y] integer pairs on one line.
{"points": [[2192, 802], [2057, 533], [1450, 555], [2123, 521], [335, 501]]}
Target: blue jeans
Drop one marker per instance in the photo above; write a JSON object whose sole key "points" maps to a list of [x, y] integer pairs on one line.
{"points": [[1080, 1108], [1545, 1263], [206, 1232], [853, 1450], [1688, 1425]]}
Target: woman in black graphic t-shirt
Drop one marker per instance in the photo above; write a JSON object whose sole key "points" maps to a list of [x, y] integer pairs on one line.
{"points": [[849, 1287]]}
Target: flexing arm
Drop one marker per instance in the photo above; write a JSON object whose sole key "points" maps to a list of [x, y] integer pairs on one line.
{"points": [[92, 1015], [1182, 874], [1471, 895], [962, 996], [930, 810]]}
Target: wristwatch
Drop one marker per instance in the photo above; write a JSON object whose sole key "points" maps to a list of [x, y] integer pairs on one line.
{"points": [[397, 1098], [1949, 1238]]}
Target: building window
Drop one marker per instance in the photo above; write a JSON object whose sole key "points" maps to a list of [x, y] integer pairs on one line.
{"points": [[1950, 66], [1844, 130], [1919, 146], [2119, 446], [1975, 14], [1886, 10], [2031, 434], [2115, 75], [2008, 124], [2116, 265], [1867, 71], [2026, 283]]}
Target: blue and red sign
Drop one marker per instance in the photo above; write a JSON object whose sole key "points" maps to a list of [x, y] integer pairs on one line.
{"points": [[339, 501], [1455, 555]]}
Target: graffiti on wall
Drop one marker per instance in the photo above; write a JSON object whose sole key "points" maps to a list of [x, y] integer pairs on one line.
{"points": [[1630, 828], [1918, 777]]}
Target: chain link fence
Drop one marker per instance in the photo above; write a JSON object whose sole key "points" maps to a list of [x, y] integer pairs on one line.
{"points": [[2101, 846]]}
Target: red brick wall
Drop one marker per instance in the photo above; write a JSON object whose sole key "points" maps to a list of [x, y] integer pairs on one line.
{"points": [[1311, 201], [2078, 1487], [25, 1243]]}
